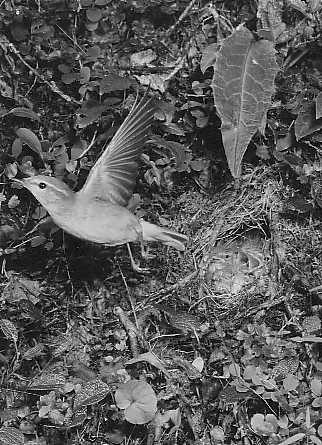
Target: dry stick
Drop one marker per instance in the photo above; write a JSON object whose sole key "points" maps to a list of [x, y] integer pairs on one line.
{"points": [[88, 148], [267, 305], [176, 69], [130, 329], [182, 16], [130, 298], [51, 84], [275, 264], [72, 40]]}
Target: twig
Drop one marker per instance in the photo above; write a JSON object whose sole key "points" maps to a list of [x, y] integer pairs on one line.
{"points": [[130, 328], [182, 17], [72, 40], [52, 85], [88, 148], [130, 298], [267, 305], [177, 68]]}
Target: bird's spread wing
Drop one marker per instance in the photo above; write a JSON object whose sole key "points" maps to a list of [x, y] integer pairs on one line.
{"points": [[113, 176]]}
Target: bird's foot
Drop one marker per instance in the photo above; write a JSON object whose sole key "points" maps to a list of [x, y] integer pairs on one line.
{"points": [[135, 266], [139, 269]]}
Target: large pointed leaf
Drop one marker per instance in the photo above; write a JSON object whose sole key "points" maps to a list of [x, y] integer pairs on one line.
{"points": [[243, 83]]}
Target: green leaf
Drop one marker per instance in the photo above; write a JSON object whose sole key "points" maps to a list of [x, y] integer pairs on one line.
{"points": [[208, 57], [250, 372], [85, 74], [317, 403], [243, 83], [91, 393], [179, 151], [314, 439], [113, 82], [93, 53], [9, 329], [150, 358], [11, 436], [10, 171], [262, 425], [38, 241], [293, 439], [89, 113], [78, 418], [290, 383], [217, 434], [316, 386], [307, 339], [306, 122], [5, 89], [138, 400], [234, 369], [29, 138], [48, 381], [94, 15], [24, 112]]}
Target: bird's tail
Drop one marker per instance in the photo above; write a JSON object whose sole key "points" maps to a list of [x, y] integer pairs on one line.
{"points": [[152, 232]]}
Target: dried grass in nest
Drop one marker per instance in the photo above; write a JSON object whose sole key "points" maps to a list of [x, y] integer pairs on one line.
{"points": [[230, 216], [247, 209], [260, 206]]}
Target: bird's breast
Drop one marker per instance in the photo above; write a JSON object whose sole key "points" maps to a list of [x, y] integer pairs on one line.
{"points": [[100, 222]]}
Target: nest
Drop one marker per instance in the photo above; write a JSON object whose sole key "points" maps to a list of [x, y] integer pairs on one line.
{"points": [[232, 240], [250, 250]]}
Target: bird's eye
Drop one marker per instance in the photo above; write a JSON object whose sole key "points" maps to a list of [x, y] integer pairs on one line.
{"points": [[42, 185]]}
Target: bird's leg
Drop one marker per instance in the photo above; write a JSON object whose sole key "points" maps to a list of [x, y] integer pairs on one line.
{"points": [[135, 267], [145, 252]]}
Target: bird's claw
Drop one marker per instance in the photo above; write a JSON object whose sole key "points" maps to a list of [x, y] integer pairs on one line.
{"points": [[148, 256], [145, 253], [139, 269], [135, 267]]}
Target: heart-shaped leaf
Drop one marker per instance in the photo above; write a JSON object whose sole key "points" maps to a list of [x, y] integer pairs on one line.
{"points": [[138, 401], [265, 426]]}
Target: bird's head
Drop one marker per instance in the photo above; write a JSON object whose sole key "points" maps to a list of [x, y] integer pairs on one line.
{"points": [[50, 192]]}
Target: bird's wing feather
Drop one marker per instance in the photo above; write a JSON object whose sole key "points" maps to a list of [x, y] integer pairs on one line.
{"points": [[113, 176]]}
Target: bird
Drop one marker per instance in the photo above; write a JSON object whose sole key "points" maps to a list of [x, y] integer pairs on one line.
{"points": [[98, 211]]}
